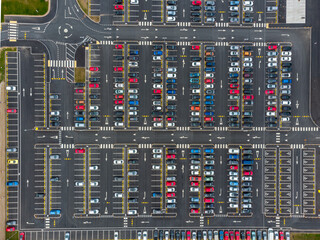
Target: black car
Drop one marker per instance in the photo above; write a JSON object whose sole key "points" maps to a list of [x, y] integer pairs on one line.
{"points": [[118, 80], [233, 80], [133, 74], [94, 96], [171, 85], [208, 124], [285, 114], [286, 69], [247, 168], [271, 80], [194, 86], [194, 97], [248, 69], [94, 119], [171, 161], [209, 14], [286, 108], [156, 96], [132, 161], [118, 119], [156, 113], [196, 19], [209, 194], [196, 59], [171, 47], [157, 80], [118, 57], [79, 84], [247, 124], [247, 48], [247, 92], [172, 2], [210, 58], [271, 124], [118, 1], [55, 124], [233, 119], [247, 119], [286, 48], [286, 64], [119, 12], [172, 58], [54, 118], [233, 162], [272, 69], [132, 200], [271, 119], [285, 97], [248, 20], [234, 14], [133, 58], [247, 86], [234, 59], [79, 113], [171, 113], [171, 107], [118, 113], [208, 108], [234, 124], [157, 47], [195, 8], [272, 75], [195, 124]]}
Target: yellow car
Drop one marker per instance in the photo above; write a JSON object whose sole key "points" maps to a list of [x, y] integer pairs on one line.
{"points": [[12, 161]]}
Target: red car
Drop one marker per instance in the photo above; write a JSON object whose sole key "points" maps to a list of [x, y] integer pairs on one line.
{"points": [[231, 235], [195, 47], [118, 102], [196, 3], [247, 173], [171, 156], [209, 80], [170, 119], [209, 189], [188, 235], [272, 47], [118, 7], [133, 80], [11, 110], [171, 194], [119, 46], [169, 184], [21, 236], [93, 69], [157, 91], [233, 167], [208, 119], [119, 96], [271, 108], [10, 229], [234, 91], [79, 91], [155, 119], [237, 235], [80, 150], [118, 69], [194, 210], [248, 233], [281, 235], [226, 235], [269, 92], [194, 184], [234, 85], [248, 97], [94, 85], [208, 200], [195, 178], [233, 108], [80, 107]]}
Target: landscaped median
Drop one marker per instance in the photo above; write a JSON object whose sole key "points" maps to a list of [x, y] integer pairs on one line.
{"points": [[23, 7], [305, 236], [80, 74], [84, 6], [2, 61]]}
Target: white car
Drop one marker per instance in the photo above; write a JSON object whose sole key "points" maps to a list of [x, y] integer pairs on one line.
{"points": [[133, 64], [155, 167], [171, 189], [208, 173], [234, 47], [232, 205], [132, 212], [286, 59], [234, 8], [209, 86], [233, 178], [234, 64], [285, 119], [94, 107], [246, 178], [55, 113], [172, 8], [194, 189], [195, 64], [119, 85], [248, 9], [234, 150], [94, 184], [234, 53], [233, 173], [133, 113], [157, 124], [234, 113], [156, 155], [94, 167], [287, 86], [209, 75], [118, 195], [171, 167], [156, 58], [172, 200], [171, 19], [157, 150], [172, 69], [171, 124], [171, 75], [118, 107], [79, 184], [118, 124], [271, 113], [171, 97], [286, 102], [248, 59], [94, 211], [272, 64], [247, 205], [134, 1], [195, 91], [195, 167], [157, 86], [94, 200], [286, 53], [133, 90], [272, 59], [132, 151], [11, 88], [195, 113], [195, 173], [118, 162], [145, 235], [247, 64], [248, 3], [116, 235]]}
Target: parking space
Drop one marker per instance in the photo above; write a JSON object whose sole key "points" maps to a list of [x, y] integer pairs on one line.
{"points": [[271, 11], [94, 8], [285, 181], [158, 11]]}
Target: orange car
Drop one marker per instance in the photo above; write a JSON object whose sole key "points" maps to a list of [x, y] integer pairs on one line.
{"points": [[195, 108], [247, 53], [209, 53]]}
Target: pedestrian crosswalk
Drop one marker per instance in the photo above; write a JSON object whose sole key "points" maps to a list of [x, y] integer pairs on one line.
{"points": [[105, 42], [183, 43], [221, 128], [222, 24], [277, 222], [145, 42], [13, 31], [222, 43], [62, 63], [106, 146], [297, 146], [258, 146], [258, 129], [106, 128], [145, 128], [184, 146], [145, 145], [47, 223], [145, 23], [183, 128], [184, 24], [64, 128], [260, 44], [306, 129], [67, 146], [260, 25], [221, 146]]}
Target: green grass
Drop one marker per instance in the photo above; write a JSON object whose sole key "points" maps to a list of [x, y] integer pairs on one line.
{"points": [[12, 235], [80, 74], [23, 7], [305, 236], [2, 61]]}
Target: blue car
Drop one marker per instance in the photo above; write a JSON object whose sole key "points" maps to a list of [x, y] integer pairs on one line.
{"points": [[195, 150], [157, 53], [209, 113], [194, 74], [134, 52], [209, 102], [194, 80], [234, 183], [134, 102], [221, 235], [171, 80], [156, 194], [209, 150], [234, 3], [171, 91], [233, 156], [247, 162], [194, 199], [286, 81], [210, 64], [12, 183], [55, 212], [195, 103], [209, 97], [210, 69], [233, 75], [79, 118]]}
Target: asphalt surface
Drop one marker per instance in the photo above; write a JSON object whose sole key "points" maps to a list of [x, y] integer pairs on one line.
{"points": [[285, 193]]}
